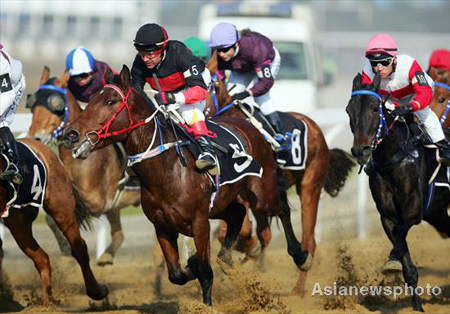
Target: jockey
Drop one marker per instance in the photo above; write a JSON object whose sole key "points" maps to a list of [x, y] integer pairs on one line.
{"points": [[86, 73], [200, 50], [180, 77], [12, 86], [440, 59], [251, 58], [198, 47], [409, 87]]}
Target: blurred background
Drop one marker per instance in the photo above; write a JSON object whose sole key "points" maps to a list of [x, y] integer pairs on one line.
{"points": [[322, 45]]}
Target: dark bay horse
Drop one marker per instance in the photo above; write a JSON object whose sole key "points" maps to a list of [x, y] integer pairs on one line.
{"points": [[176, 199], [60, 203], [398, 177], [325, 168], [97, 178], [440, 103]]}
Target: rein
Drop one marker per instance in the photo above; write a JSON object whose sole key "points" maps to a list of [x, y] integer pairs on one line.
{"points": [[447, 109]]}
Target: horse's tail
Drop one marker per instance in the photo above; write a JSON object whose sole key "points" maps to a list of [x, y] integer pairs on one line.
{"points": [[82, 212], [341, 163]]}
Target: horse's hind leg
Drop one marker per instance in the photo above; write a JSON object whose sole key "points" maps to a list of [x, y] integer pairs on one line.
{"points": [[117, 237], [64, 246], [66, 221], [21, 230]]}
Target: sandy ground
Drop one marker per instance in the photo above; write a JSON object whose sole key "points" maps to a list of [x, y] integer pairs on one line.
{"points": [[340, 257]]}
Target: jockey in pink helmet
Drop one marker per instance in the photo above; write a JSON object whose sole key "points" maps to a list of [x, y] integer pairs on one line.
{"points": [[410, 89]]}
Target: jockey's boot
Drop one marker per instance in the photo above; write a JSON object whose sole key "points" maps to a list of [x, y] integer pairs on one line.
{"points": [[275, 121], [8, 144], [207, 160], [444, 151]]}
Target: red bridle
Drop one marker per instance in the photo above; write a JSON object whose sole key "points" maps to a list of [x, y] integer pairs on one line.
{"points": [[104, 133]]}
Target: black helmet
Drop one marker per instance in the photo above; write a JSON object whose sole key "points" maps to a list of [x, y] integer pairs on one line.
{"points": [[150, 37]]}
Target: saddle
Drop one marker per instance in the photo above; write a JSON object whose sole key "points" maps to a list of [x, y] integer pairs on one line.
{"points": [[295, 130]]}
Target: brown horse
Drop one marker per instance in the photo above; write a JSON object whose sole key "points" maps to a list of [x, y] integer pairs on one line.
{"points": [[60, 203], [441, 98], [175, 198], [97, 178], [325, 168]]}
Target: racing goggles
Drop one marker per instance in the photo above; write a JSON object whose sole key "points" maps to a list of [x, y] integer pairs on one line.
{"points": [[383, 62], [225, 49]]}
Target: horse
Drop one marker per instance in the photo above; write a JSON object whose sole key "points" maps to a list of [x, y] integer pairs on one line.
{"points": [[60, 203], [97, 178], [440, 103], [398, 177], [325, 168], [176, 198]]}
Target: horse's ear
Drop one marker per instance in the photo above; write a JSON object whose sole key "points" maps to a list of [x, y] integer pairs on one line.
{"points": [[357, 81], [64, 79], [108, 76], [212, 64], [376, 82], [45, 75], [125, 76]]}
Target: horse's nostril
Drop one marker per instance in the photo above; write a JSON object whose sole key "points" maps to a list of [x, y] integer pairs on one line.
{"points": [[73, 135], [355, 152]]}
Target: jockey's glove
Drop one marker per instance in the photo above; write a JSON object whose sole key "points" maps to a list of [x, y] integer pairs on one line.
{"points": [[240, 96], [165, 98], [403, 110]]}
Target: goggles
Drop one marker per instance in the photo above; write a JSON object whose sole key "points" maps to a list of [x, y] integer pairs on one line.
{"points": [[225, 49], [383, 62]]}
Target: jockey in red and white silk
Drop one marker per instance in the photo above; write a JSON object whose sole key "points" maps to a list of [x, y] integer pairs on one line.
{"points": [[408, 84]]}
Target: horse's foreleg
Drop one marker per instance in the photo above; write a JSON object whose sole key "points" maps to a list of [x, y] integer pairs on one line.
{"points": [[67, 223], [117, 237], [264, 236], [393, 264], [246, 242], [410, 273], [21, 230], [200, 263], [233, 216]]}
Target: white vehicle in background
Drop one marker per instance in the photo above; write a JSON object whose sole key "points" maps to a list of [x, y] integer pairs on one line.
{"points": [[291, 29]]}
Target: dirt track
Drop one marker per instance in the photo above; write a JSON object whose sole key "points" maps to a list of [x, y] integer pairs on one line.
{"points": [[130, 280]]}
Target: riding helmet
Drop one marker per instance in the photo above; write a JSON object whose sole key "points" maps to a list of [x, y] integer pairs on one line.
{"points": [[150, 37]]}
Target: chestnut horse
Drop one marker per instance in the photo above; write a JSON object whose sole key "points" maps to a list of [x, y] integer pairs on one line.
{"points": [[325, 168], [97, 178], [176, 199], [440, 103], [60, 203], [398, 175]]}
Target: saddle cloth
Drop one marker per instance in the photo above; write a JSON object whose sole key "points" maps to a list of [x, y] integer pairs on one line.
{"points": [[32, 190], [234, 162], [296, 131]]}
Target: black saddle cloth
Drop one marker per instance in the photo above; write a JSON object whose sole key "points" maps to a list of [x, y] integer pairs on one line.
{"points": [[234, 162], [32, 190], [296, 131]]}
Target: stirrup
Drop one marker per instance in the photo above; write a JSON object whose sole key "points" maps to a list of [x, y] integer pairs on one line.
{"points": [[12, 173], [207, 162], [284, 142]]}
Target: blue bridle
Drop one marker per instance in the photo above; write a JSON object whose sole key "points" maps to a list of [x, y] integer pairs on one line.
{"points": [[383, 122]]}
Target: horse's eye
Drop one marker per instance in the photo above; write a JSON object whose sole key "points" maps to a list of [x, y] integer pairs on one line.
{"points": [[375, 108], [441, 100], [110, 103]]}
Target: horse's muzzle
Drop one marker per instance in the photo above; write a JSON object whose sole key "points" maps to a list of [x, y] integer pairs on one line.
{"points": [[362, 154]]}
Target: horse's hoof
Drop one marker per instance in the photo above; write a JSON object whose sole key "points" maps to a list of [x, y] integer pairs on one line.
{"points": [[99, 295], [308, 263], [105, 259], [255, 252], [225, 267], [392, 266]]}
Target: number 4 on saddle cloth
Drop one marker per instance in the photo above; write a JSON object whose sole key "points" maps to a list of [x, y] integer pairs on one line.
{"points": [[31, 191], [296, 132]]}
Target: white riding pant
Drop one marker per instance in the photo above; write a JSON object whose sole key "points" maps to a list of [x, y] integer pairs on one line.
{"points": [[243, 80], [431, 124]]}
